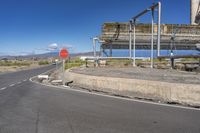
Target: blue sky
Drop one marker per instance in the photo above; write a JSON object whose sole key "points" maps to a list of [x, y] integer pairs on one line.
{"points": [[28, 25]]}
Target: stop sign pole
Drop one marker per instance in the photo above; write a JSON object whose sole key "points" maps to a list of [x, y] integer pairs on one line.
{"points": [[63, 55]]}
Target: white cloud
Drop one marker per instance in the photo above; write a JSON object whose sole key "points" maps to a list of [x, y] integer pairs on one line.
{"points": [[53, 46]]}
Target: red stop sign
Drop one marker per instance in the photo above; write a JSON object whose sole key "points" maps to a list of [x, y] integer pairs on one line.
{"points": [[64, 53]]}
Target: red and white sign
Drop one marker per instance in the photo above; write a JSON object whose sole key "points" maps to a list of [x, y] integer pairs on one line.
{"points": [[64, 53]]}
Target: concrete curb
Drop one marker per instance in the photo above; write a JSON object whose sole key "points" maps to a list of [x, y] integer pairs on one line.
{"points": [[188, 94]]}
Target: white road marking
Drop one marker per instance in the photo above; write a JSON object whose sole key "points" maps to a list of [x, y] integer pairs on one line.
{"points": [[134, 100], [11, 85], [25, 80], [3, 88], [19, 82]]}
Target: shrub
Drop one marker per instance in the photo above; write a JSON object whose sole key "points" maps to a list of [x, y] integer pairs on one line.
{"points": [[43, 62], [14, 63], [77, 62]]}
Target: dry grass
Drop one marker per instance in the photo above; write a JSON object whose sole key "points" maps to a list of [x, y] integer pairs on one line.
{"points": [[15, 63], [74, 63]]}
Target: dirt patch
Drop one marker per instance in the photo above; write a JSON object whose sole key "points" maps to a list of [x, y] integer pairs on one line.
{"points": [[165, 75], [4, 69]]}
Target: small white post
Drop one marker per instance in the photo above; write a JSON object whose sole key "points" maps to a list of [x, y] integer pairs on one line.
{"points": [[94, 47]]}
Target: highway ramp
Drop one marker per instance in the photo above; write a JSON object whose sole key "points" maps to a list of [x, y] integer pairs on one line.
{"points": [[27, 107]]}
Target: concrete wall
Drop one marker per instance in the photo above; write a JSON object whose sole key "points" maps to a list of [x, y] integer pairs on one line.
{"points": [[172, 92], [146, 28], [117, 35], [193, 10]]}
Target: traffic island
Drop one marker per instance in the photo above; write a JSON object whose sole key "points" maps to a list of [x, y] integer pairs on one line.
{"points": [[169, 86]]}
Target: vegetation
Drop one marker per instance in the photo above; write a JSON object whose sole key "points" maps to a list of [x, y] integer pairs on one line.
{"points": [[77, 62], [44, 62], [110, 62], [128, 62], [14, 63], [190, 59], [117, 62]]}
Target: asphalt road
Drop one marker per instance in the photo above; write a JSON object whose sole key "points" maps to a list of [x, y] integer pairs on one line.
{"points": [[27, 107]]}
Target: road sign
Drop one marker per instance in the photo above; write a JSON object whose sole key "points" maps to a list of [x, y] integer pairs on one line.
{"points": [[64, 53]]}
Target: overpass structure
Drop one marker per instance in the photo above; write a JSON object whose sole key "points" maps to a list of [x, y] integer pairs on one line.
{"points": [[116, 36]]}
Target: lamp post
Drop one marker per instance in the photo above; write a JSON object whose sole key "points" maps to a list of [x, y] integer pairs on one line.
{"points": [[130, 39], [134, 23], [152, 35]]}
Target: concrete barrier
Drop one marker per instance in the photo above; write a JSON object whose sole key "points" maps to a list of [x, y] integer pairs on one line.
{"points": [[171, 92]]}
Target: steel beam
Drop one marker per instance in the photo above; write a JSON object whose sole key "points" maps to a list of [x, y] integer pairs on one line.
{"points": [[152, 36], [158, 27], [130, 39], [157, 5], [145, 11], [134, 23]]}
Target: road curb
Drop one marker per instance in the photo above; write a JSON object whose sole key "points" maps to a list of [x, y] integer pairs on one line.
{"points": [[186, 94], [114, 96]]}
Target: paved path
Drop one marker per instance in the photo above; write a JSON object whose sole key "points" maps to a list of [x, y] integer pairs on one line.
{"points": [[27, 107]]}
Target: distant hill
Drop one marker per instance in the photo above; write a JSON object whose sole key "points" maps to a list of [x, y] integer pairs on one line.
{"points": [[46, 55], [83, 54]]}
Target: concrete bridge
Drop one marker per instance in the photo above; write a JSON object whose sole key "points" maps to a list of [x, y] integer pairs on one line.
{"points": [[116, 36]]}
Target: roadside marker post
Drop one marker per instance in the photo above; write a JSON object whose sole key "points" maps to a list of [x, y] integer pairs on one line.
{"points": [[64, 54]]}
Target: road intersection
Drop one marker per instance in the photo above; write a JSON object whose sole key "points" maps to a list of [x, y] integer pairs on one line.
{"points": [[26, 107]]}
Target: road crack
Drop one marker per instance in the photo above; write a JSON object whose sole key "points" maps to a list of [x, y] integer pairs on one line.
{"points": [[70, 124], [37, 121]]}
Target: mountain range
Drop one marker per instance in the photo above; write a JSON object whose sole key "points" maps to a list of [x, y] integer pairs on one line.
{"points": [[45, 55]]}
